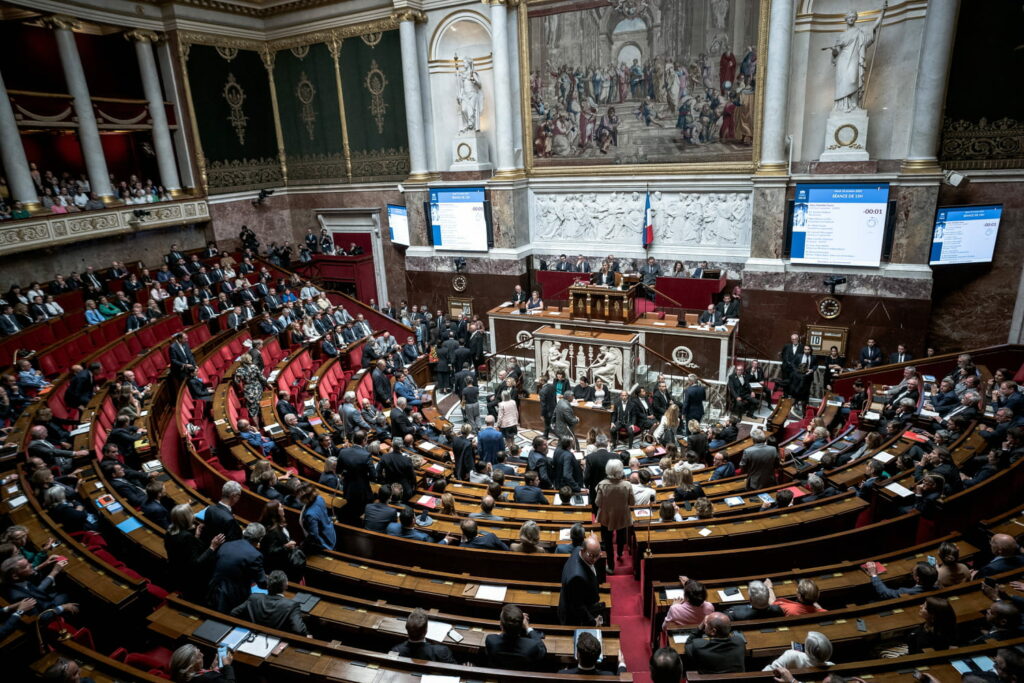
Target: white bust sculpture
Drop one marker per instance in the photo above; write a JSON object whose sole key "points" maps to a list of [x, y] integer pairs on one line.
{"points": [[470, 98], [849, 56]]}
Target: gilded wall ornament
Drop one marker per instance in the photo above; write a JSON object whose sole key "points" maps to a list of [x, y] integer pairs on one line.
{"points": [[227, 53], [235, 96], [306, 92], [371, 39], [300, 51], [375, 82]]}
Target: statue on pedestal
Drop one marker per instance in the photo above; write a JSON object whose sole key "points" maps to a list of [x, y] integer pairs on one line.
{"points": [[849, 56], [470, 98]]}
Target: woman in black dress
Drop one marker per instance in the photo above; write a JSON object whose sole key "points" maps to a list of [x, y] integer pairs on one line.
{"points": [[189, 560], [277, 546]]}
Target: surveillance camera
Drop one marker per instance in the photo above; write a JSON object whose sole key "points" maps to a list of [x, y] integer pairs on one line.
{"points": [[954, 179], [401, 188]]}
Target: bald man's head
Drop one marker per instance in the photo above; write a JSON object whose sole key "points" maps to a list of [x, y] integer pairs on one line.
{"points": [[1004, 545], [717, 625], [591, 550]]}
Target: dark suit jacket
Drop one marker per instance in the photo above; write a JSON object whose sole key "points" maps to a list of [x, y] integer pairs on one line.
{"points": [[430, 652], [355, 462], [579, 600], [219, 520], [238, 565], [189, 563], [693, 402], [714, 319], [566, 471], [377, 516], [870, 356], [895, 357], [273, 611], [462, 449], [600, 278], [180, 356], [80, 389], [485, 541], [529, 494], [523, 653], [381, 387], [596, 462], [716, 655], [396, 468], [787, 356], [400, 423]]}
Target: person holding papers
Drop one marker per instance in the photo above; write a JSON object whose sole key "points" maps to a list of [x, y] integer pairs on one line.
{"points": [[416, 645]]}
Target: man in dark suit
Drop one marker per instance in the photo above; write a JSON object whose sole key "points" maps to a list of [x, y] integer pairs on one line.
{"points": [[82, 386], [1006, 555], [22, 582], [237, 566], [595, 463], [660, 400], [716, 649], [1009, 397], [381, 384], [967, 409], [173, 256], [124, 435], [788, 356], [518, 646], [396, 468], [539, 462], [476, 344], [728, 307], [588, 651], [581, 265], [401, 424], [357, 467], [519, 296], [273, 609], [740, 392], [579, 602], [547, 398], [378, 514], [621, 418], [180, 355], [8, 321], [711, 317], [463, 452], [760, 461], [218, 518], [528, 492], [54, 456], [693, 400], [901, 355], [471, 538], [563, 265], [871, 356], [566, 470], [806, 357], [416, 645]]}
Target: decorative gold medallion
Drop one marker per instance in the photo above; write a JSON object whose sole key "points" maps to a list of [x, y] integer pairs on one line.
{"points": [[375, 82], [459, 283], [830, 307], [371, 39], [300, 51], [235, 96], [227, 53], [306, 92], [846, 135]]}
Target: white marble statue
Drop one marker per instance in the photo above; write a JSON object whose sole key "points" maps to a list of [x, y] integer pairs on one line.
{"points": [[557, 359], [719, 10], [471, 97], [849, 56], [608, 366]]}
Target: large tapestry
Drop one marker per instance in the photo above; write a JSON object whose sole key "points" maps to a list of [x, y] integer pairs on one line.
{"points": [[642, 81], [984, 125], [307, 99], [371, 78], [235, 118]]}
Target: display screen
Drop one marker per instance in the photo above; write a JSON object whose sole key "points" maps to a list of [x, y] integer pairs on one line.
{"points": [[398, 224], [965, 234], [458, 219], [839, 225]]}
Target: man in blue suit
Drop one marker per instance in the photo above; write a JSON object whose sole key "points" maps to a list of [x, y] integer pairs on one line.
{"points": [[405, 527], [489, 441], [239, 564], [472, 539]]}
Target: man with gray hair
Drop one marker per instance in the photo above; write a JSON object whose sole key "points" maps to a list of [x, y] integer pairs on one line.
{"points": [[219, 519], [353, 418], [716, 649], [565, 418], [968, 409], [819, 489], [273, 609], [760, 606], [238, 565], [760, 461]]}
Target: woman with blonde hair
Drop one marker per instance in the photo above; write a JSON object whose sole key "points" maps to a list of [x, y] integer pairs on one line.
{"points": [[671, 478], [529, 539], [704, 509], [508, 418], [448, 505], [665, 432], [614, 498], [697, 441]]}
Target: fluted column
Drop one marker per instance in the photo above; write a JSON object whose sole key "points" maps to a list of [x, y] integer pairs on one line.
{"points": [[12, 153], [413, 94], [930, 92], [88, 131], [505, 157], [144, 41], [776, 90]]}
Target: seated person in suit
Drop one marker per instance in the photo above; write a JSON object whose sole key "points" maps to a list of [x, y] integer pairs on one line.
{"points": [[378, 514], [716, 649], [518, 646], [760, 606], [21, 581], [406, 526], [711, 317], [472, 539], [722, 467], [583, 391], [273, 609], [924, 574], [728, 307], [529, 491], [819, 489], [197, 387], [416, 645], [1006, 555], [588, 651], [604, 276]]}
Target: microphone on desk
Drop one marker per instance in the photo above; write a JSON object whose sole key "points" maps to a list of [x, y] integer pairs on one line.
{"points": [[424, 519]]}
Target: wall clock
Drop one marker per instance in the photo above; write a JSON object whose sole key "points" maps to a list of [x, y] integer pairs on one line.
{"points": [[459, 283], [830, 307]]}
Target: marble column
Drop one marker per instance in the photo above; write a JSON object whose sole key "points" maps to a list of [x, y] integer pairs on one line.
{"points": [[505, 156], [88, 131], [930, 92], [418, 170], [430, 144], [773, 159], [12, 153], [162, 144]]}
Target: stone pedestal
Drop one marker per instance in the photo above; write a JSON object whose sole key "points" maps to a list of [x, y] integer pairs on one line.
{"points": [[846, 136], [469, 152]]}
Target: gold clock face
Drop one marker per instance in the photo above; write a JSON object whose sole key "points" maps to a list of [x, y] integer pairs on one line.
{"points": [[459, 283], [830, 307]]}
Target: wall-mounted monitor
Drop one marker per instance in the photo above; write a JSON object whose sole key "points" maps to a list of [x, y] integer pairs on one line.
{"points": [[842, 224], [965, 234], [460, 219], [398, 224]]}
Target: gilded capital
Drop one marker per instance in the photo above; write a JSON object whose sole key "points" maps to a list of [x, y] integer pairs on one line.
{"points": [[141, 36], [410, 15], [61, 21]]}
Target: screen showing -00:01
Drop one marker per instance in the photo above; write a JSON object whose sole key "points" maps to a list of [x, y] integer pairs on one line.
{"points": [[839, 225]]}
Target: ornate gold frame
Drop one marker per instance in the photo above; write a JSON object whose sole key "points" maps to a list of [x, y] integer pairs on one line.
{"points": [[764, 12]]}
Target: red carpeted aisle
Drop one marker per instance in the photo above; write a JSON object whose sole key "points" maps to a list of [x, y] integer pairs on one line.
{"points": [[628, 616]]}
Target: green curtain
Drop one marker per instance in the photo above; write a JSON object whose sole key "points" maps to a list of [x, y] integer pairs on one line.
{"points": [[371, 77], [231, 96], [307, 99]]}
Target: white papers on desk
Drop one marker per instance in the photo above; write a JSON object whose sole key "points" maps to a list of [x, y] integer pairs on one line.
{"points": [[429, 445], [756, 385], [429, 387], [563, 534], [492, 593], [433, 678], [674, 594], [232, 640], [260, 646], [680, 638], [883, 457], [732, 501], [732, 321], [736, 597], [662, 324], [871, 415], [924, 412], [899, 490], [928, 378], [81, 429], [705, 532], [273, 429], [437, 631], [16, 502], [816, 456]]}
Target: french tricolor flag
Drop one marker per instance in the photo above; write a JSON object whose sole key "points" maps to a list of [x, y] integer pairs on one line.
{"points": [[647, 236]]}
